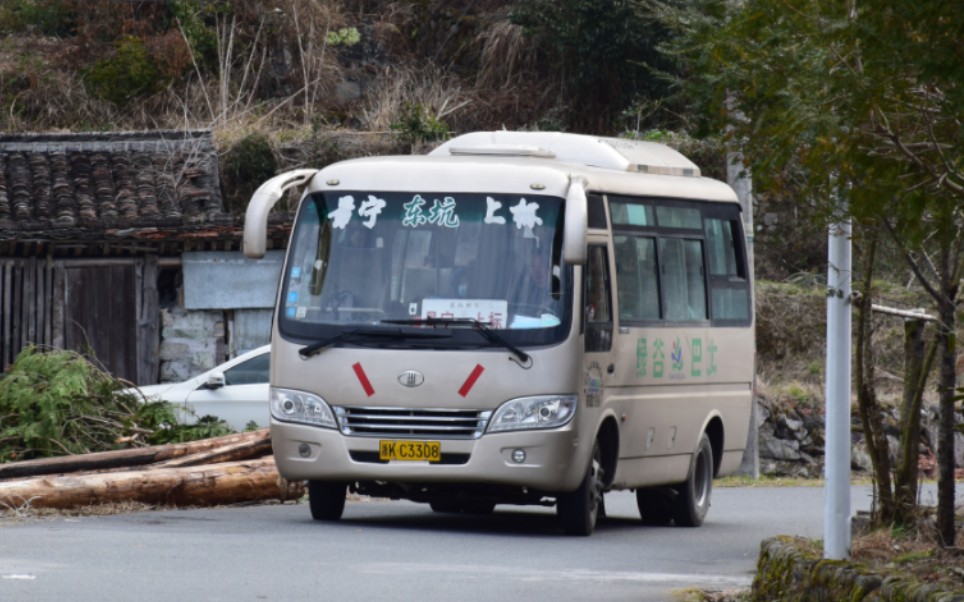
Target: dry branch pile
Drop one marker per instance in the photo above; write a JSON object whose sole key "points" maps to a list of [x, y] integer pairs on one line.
{"points": [[222, 470]]}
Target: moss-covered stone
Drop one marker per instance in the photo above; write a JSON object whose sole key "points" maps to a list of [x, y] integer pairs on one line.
{"points": [[789, 570]]}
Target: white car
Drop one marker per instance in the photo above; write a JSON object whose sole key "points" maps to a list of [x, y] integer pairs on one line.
{"points": [[235, 391]]}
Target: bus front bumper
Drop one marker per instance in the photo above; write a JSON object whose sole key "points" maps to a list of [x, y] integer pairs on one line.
{"points": [[547, 460]]}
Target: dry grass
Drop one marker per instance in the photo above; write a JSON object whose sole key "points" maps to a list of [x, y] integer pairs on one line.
{"points": [[25, 511], [439, 93], [505, 54], [275, 72], [912, 551]]}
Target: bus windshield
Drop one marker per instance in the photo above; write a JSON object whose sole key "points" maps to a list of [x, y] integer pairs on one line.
{"points": [[420, 260]]}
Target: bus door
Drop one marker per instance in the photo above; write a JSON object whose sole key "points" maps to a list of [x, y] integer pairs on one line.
{"points": [[599, 363]]}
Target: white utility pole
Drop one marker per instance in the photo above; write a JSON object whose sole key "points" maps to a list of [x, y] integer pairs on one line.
{"points": [[739, 178], [836, 539]]}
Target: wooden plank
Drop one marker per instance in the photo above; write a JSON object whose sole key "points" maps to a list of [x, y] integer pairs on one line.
{"points": [[148, 339], [58, 302], [74, 309], [120, 330], [40, 300], [15, 317], [96, 311], [6, 299], [30, 300], [48, 302]]}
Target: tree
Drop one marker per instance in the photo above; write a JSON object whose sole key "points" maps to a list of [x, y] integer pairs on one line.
{"points": [[862, 100], [602, 52]]}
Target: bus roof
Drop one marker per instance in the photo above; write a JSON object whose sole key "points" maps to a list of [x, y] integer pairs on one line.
{"points": [[592, 151], [502, 162]]}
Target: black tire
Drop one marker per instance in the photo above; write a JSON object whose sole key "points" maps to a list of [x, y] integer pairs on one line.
{"points": [[326, 499], [579, 510], [693, 501], [655, 505]]}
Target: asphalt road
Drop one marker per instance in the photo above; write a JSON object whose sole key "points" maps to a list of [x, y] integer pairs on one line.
{"points": [[384, 550]]}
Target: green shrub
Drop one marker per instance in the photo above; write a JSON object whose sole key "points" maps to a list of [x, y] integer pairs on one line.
{"points": [[246, 166], [129, 73], [346, 36], [193, 18], [417, 126], [43, 17]]}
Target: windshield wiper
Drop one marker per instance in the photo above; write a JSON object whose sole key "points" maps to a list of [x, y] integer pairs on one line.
{"points": [[357, 333], [480, 327]]}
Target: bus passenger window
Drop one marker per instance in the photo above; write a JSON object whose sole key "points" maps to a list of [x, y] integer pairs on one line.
{"points": [[681, 263], [636, 277], [729, 288]]}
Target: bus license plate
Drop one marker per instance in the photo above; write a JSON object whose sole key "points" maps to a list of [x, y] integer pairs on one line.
{"points": [[420, 451]]}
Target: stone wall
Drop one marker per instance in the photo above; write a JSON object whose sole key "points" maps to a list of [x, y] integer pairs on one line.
{"points": [[791, 439], [786, 570], [192, 342]]}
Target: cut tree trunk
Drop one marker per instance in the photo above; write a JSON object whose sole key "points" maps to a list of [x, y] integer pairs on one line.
{"points": [[232, 452], [209, 485], [127, 457]]}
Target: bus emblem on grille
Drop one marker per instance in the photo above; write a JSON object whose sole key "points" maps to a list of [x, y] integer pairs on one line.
{"points": [[411, 378]]}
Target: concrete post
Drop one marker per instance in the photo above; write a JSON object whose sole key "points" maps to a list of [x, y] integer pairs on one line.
{"points": [[739, 178], [836, 538]]}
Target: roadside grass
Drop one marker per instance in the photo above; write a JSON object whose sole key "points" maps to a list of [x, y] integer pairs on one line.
{"points": [[766, 481]]}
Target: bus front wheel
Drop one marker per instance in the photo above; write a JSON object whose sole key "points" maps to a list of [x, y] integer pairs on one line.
{"points": [[326, 499], [579, 510]]}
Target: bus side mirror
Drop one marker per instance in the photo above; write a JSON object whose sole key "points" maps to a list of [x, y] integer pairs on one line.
{"points": [[574, 244], [263, 199]]}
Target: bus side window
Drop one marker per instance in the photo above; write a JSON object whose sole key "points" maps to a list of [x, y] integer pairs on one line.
{"points": [[636, 278], [729, 287], [598, 310], [684, 288]]}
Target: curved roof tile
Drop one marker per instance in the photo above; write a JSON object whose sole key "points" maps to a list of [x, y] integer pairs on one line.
{"points": [[94, 182]]}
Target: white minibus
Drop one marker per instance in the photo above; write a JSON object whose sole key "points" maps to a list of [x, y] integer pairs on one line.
{"points": [[514, 318]]}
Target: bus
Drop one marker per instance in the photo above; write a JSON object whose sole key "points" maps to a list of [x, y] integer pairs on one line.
{"points": [[514, 318]]}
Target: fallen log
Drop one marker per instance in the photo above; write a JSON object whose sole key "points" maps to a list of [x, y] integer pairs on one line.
{"points": [[123, 458], [209, 485], [232, 452]]}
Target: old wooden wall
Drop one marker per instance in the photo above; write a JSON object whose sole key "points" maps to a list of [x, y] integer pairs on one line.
{"points": [[106, 309]]}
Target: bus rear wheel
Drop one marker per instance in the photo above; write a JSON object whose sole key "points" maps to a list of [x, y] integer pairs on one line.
{"points": [[579, 510], [693, 501], [326, 499]]}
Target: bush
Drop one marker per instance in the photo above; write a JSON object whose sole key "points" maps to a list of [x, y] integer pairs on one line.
{"points": [[245, 167], [129, 73], [417, 126], [43, 17]]}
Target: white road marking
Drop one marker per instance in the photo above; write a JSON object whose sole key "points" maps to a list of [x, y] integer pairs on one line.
{"points": [[556, 575]]}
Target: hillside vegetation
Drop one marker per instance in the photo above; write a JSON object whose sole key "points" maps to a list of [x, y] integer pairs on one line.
{"points": [[288, 83], [425, 67]]}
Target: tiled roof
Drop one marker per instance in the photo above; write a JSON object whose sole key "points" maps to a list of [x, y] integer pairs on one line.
{"points": [[84, 184]]}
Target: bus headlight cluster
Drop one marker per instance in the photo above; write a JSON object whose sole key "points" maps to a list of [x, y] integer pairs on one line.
{"points": [[542, 412], [297, 406]]}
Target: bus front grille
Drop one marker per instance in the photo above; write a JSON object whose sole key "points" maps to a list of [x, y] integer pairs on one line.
{"points": [[412, 423]]}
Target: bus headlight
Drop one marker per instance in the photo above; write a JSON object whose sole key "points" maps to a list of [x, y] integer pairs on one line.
{"points": [[542, 412], [297, 406]]}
